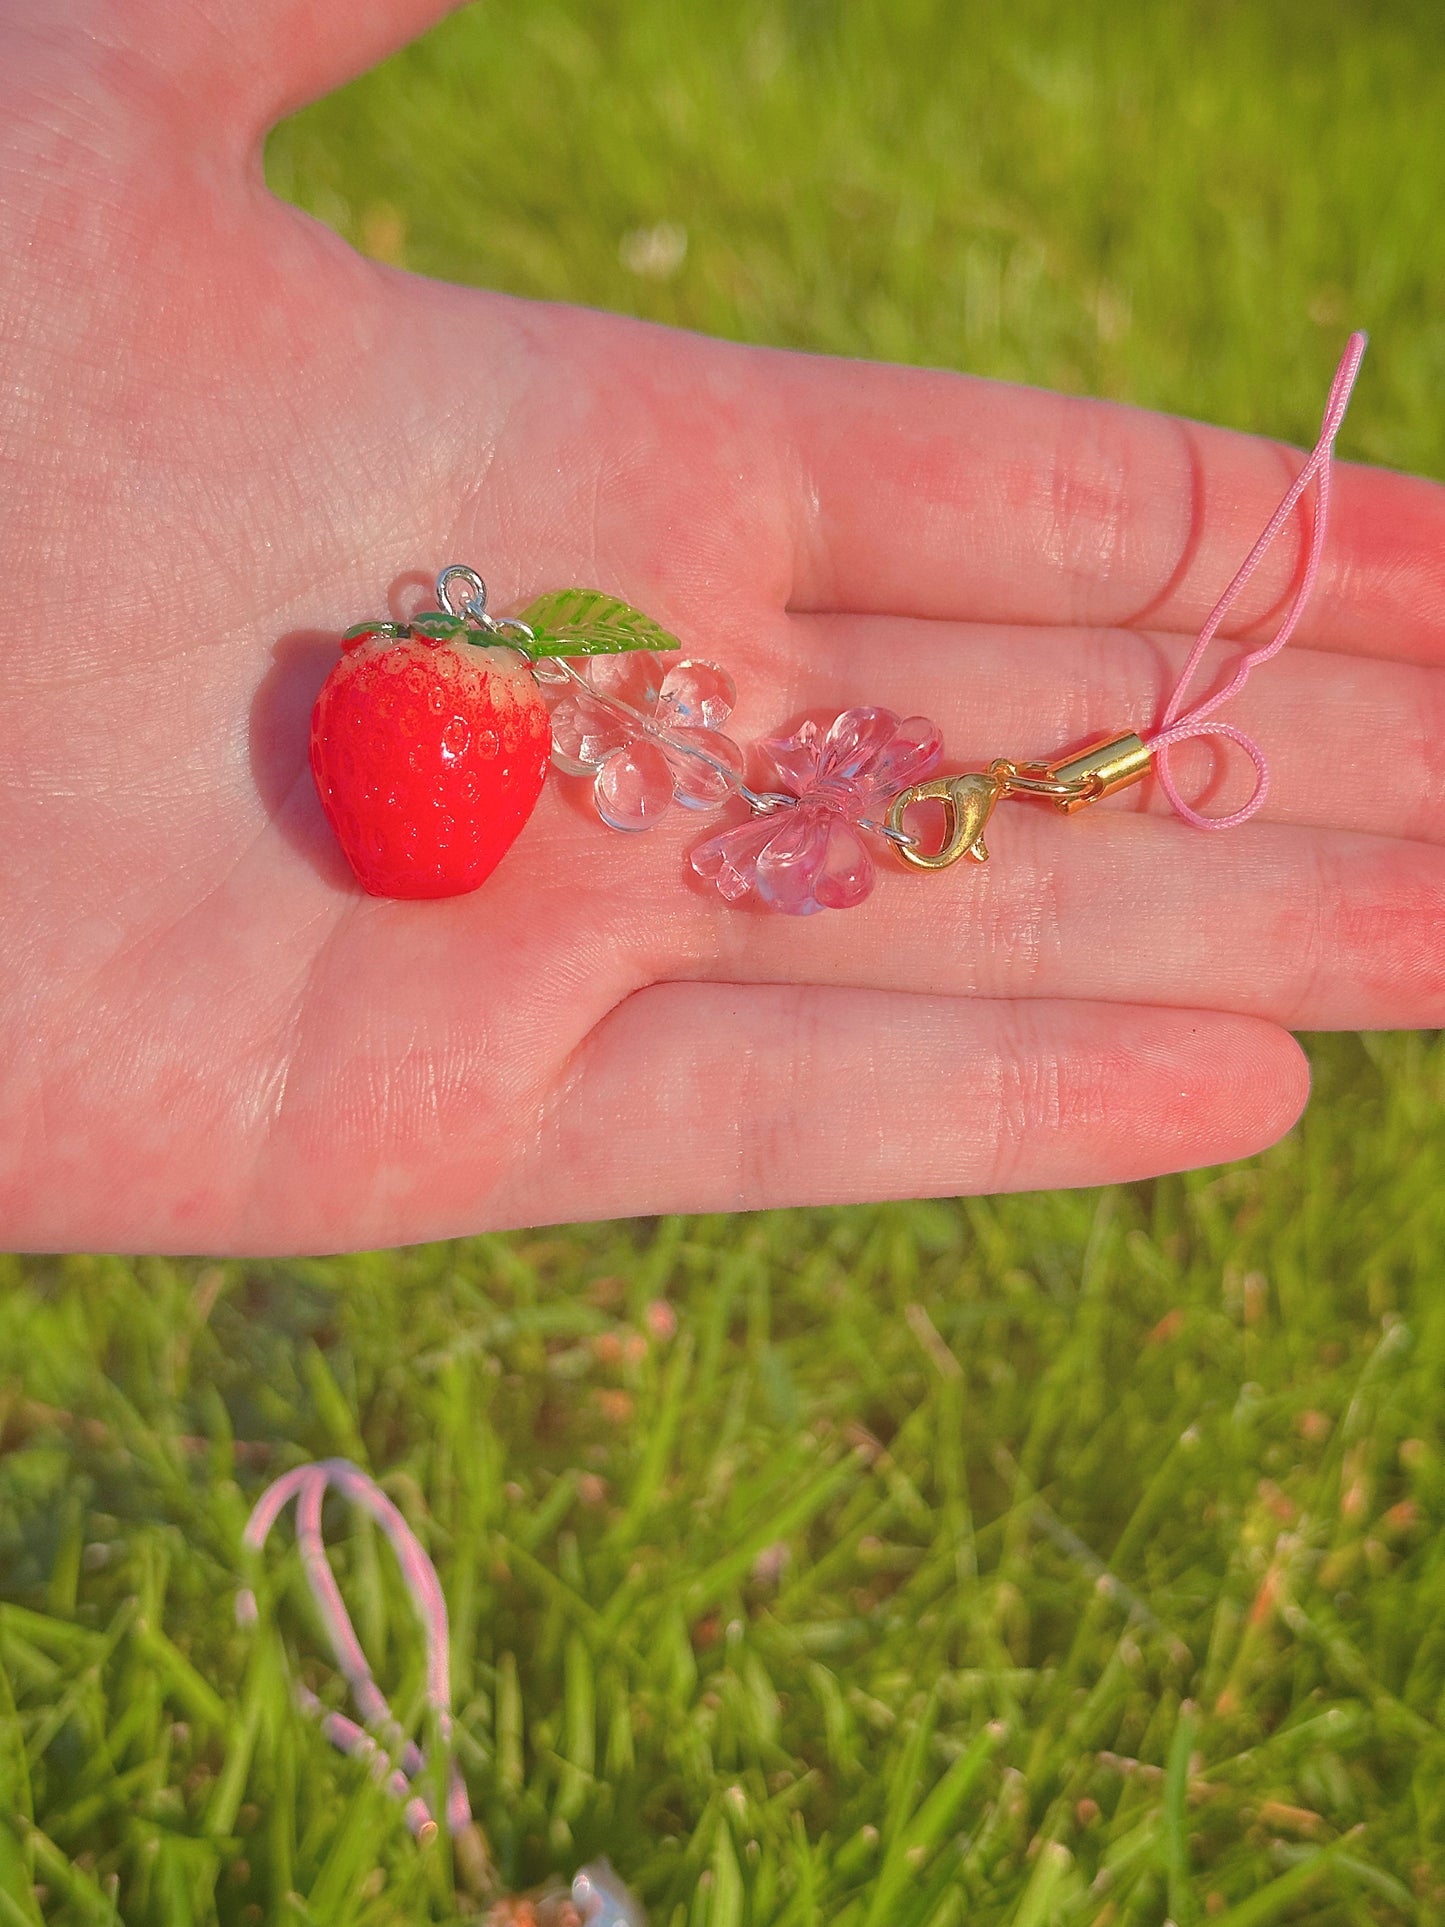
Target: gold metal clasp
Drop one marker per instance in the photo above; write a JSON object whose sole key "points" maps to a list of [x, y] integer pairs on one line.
{"points": [[1073, 782], [968, 801], [967, 805], [1100, 770]]}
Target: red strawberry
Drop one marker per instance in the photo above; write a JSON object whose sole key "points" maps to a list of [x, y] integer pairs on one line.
{"points": [[429, 757]]}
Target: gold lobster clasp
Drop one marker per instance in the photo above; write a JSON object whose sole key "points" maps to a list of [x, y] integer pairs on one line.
{"points": [[967, 805]]}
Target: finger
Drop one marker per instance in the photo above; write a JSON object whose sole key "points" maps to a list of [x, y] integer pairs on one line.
{"points": [[723, 1098], [244, 64], [932, 494], [1314, 930], [1352, 743]]}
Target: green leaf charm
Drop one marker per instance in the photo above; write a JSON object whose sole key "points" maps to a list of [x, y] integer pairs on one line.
{"points": [[391, 630], [438, 626], [584, 622]]}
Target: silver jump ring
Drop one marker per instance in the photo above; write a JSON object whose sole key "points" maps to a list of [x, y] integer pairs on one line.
{"points": [[474, 604]]}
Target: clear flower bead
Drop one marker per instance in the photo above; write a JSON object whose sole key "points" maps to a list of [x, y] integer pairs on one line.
{"points": [[634, 786], [696, 695], [696, 784], [584, 733], [633, 677]]}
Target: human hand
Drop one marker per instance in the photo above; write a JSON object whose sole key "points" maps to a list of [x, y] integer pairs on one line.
{"points": [[226, 436]]}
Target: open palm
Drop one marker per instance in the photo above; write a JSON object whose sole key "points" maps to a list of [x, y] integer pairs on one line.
{"points": [[225, 437]]}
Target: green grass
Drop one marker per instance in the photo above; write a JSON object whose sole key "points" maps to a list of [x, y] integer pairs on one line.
{"points": [[1046, 1560], [998, 1562]]}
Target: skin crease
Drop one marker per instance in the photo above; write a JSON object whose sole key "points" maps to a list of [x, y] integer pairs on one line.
{"points": [[224, 437]]}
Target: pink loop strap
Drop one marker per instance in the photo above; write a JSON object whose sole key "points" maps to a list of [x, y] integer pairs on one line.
{"points": [[1175, 728], [396, 1759]]}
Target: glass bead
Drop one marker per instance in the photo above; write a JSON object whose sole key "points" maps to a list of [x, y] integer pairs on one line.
{"points": [[795, 757], [730, 859], [787, 867], [856, 737], [696, 695], [695, 784], [846, 873], [633, 677], [634, 787], [584, 734], [911, 755]]}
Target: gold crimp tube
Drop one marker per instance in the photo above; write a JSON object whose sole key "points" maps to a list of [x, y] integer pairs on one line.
{"points": [[1102, 769]]}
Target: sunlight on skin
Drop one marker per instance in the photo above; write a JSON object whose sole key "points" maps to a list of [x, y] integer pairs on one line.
{"points": [[226, 436]]}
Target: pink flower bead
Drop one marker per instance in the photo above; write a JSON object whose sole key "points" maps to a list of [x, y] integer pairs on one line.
{"points": [[811, 856]]}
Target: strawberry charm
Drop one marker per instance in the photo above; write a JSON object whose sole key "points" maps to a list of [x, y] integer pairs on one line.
{"points": [[429, 754], [430, 739]]}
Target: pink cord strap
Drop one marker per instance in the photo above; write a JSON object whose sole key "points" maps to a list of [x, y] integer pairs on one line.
{"points": [[1176, 728], [396, 1759]]}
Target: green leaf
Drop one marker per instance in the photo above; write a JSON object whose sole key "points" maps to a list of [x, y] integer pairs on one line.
{"points": [[441, 627], [584, 622], [392, 629]]}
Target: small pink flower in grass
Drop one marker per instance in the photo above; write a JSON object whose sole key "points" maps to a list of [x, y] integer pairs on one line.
{"points": [[631, 730], [811, 857]]}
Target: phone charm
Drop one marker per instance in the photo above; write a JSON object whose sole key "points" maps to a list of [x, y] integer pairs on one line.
{"points": [[431, 740]]}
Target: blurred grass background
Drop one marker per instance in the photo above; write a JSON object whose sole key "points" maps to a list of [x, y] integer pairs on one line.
{"points": [[1073, 1558]]}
